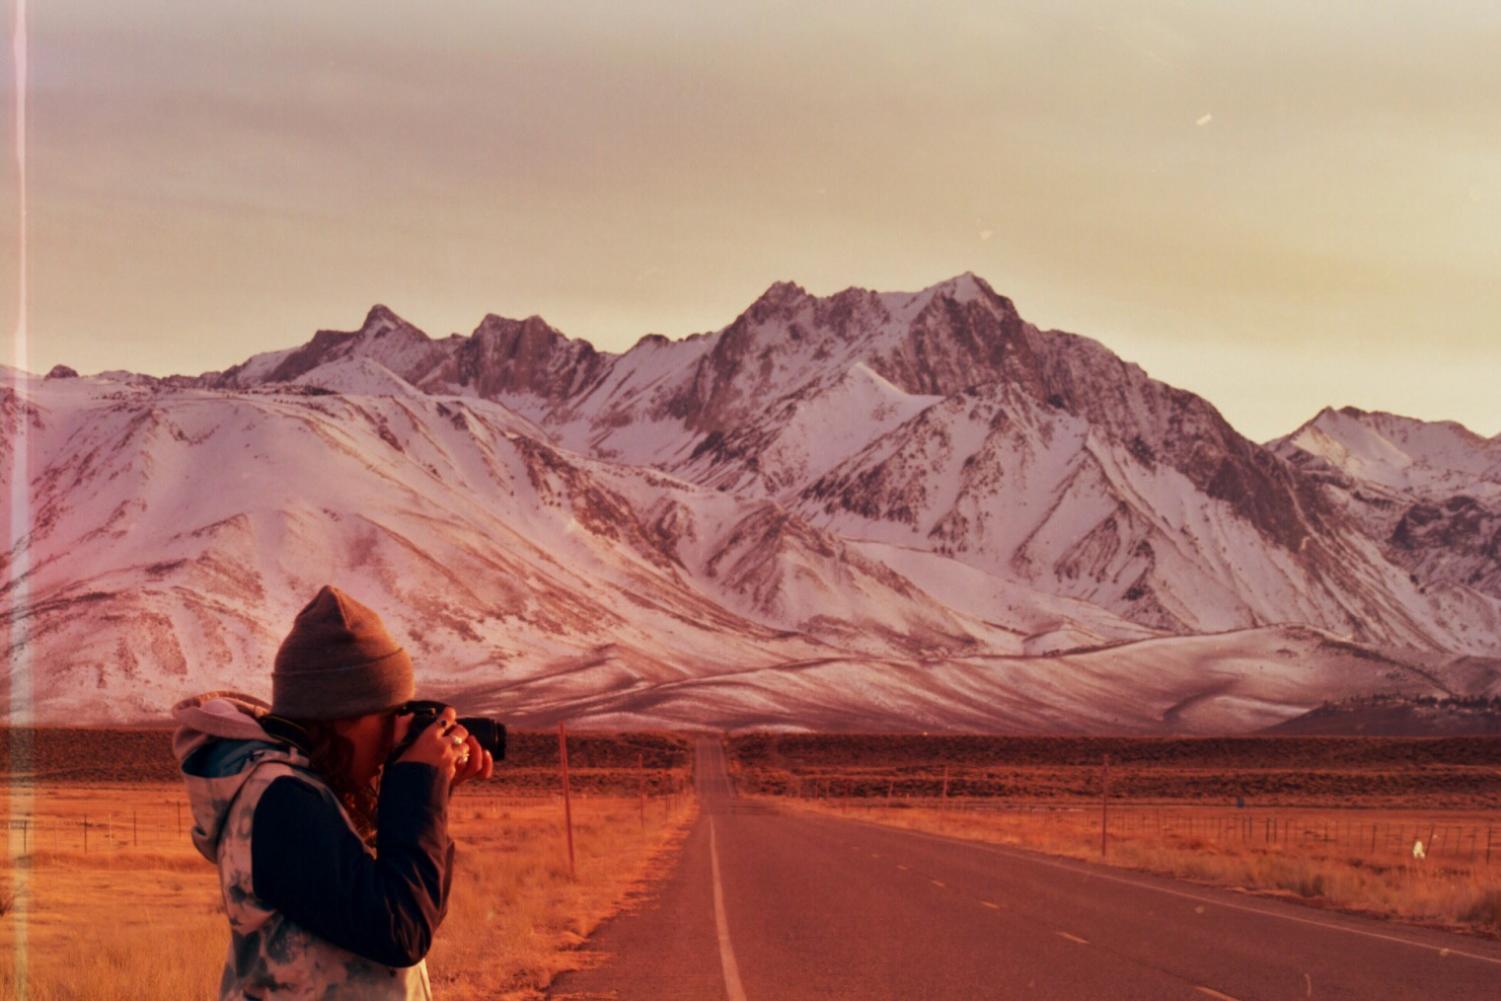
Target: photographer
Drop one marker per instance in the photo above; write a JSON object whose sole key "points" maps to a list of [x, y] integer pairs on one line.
{"points": [[335, 864]]}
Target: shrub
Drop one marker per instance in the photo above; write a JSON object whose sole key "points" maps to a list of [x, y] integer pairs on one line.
{"points": [[1486, 910]]}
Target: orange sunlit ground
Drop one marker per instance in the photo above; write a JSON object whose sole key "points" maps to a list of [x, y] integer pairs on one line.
{"points": [[148, 906]]}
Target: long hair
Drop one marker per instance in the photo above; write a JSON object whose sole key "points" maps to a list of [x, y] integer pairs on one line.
{"points": [[332, 757]]}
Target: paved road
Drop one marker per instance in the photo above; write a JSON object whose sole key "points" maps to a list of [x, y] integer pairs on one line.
{"points": [[766, 906]]}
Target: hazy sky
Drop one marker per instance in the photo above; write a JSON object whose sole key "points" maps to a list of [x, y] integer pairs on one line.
{"points": [[1276, 205]]}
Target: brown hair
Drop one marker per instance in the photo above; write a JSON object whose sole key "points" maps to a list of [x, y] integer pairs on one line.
{"points": [[332, 757]]}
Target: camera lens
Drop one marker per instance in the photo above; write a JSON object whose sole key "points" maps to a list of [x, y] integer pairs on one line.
{"points": [[490, 733]]}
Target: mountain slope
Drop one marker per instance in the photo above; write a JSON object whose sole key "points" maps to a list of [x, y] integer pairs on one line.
{"points": [[867, 509], [191, 524], [942, 420]]}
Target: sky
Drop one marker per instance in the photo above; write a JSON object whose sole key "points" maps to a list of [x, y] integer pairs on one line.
{"points": [[1279, 206]]}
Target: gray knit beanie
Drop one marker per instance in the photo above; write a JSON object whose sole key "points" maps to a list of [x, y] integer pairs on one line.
{"points": [[338, 661]]}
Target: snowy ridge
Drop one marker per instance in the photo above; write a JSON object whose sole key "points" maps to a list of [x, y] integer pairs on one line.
{"points": [[1427, 493]]}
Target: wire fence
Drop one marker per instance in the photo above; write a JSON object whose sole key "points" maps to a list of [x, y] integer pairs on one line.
{"points": [[167, 825], [1363, 836], [157, 826]]}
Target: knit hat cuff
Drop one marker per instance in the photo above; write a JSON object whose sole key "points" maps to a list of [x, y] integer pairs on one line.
{"points": [[348, 690]]}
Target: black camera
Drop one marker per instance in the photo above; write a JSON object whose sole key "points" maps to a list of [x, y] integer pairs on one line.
{"points": [[490, 733]]}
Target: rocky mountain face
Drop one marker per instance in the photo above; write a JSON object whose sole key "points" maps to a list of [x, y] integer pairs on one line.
{"points": [[942, 420], [1428, 492], [867, 509]]}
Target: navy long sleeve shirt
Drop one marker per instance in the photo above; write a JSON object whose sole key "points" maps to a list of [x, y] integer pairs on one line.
{"points": [[307, 863]]}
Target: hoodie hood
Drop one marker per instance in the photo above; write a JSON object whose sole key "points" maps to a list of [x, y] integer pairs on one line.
{"points": [[218, 743]]}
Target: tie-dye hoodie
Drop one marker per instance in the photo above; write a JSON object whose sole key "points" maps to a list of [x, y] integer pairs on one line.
{"points": [[227, 761]]}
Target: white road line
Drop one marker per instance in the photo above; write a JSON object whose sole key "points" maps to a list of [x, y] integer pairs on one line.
{"points": [[1211, 992], [993, 907], [1228, 905], [1074, 938], [904, 868], [937, 882], [732, 986]]}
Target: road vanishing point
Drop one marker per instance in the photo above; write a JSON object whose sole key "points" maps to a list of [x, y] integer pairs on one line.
{"points": [[766, 905]]}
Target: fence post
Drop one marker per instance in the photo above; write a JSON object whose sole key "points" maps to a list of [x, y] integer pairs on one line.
{"points": [[567, 803], [641, 785], [135, 839], [944, 805], [85, 833], [1104, 804]]}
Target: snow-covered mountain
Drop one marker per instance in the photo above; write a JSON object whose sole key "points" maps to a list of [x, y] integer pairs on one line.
{"points": [[1428, 492], [866, 509]]}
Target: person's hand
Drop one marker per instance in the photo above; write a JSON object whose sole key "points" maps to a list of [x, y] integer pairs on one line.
{"points": [[474, 762], [445, 745]]}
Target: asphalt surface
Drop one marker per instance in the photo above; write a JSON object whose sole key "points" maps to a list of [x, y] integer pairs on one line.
{"points": [[764, 905]]}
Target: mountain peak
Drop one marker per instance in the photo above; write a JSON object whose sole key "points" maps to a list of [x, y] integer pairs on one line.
{"points": [[783, 290], [779, 297], [962, 281], [379, 317], [1386, 422], [964, 287], [533, 328]]}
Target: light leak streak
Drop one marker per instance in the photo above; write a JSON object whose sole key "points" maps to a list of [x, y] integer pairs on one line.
{"points": [[18, 527]]}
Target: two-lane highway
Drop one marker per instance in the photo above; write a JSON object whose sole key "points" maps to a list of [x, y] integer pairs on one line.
{"points": [[766, 905]]}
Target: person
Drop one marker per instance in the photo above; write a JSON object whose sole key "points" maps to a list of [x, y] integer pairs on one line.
{"points": [[335, 865]]}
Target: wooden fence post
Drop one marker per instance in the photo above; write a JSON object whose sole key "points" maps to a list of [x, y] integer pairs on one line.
{"points": [[567, 802], [1104, 804]]}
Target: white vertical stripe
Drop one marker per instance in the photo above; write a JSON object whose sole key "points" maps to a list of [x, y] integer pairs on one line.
{"points": [[726, 952]]}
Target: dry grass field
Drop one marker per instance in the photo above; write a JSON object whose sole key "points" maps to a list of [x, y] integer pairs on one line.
{"points": [[1328, 822], [105, 898]]}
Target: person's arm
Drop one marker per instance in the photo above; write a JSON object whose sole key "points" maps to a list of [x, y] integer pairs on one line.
{"points": [[307, 863]]}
